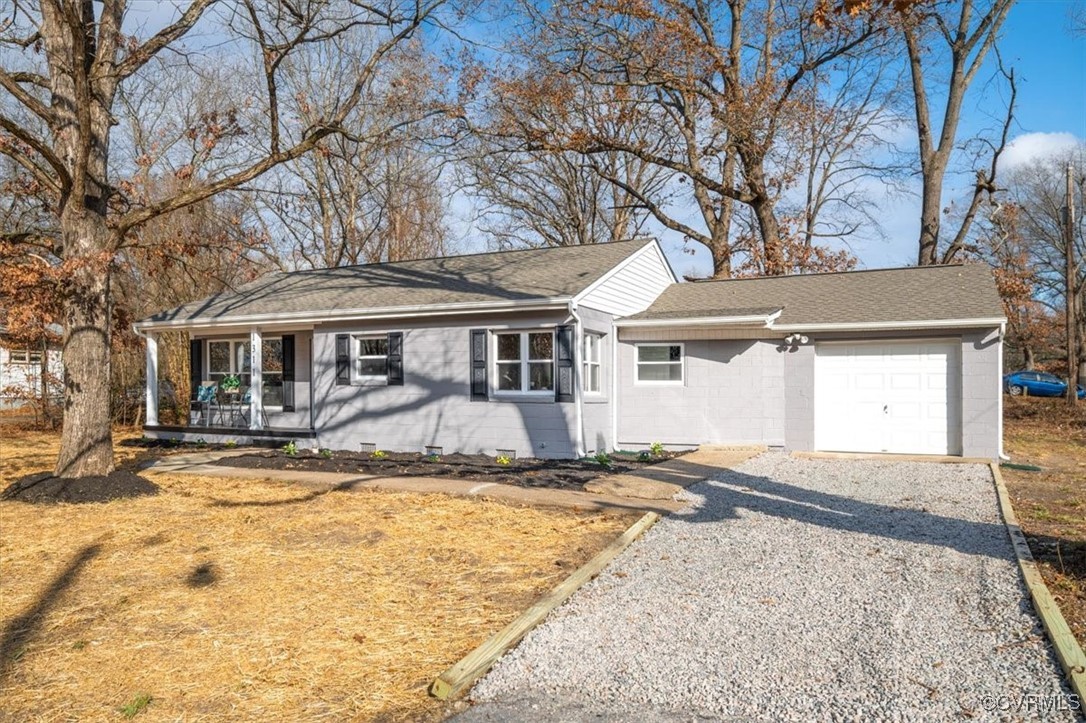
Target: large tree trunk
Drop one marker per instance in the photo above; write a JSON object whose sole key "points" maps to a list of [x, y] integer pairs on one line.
{"points": [[930, 219], [86, 446], [1028, 359]]}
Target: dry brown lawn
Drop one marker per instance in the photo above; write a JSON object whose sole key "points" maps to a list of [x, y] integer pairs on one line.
{"points": [[230, 599], [1051, 504]]}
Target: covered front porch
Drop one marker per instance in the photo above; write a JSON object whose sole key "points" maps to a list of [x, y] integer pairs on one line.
{"points": [[246, 385]]}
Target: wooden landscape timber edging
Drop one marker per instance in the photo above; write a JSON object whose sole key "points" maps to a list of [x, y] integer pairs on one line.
{"points": [[462, 674], [1068, 651]]}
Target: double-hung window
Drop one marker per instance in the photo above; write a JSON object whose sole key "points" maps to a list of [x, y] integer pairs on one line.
{"points": [[592, 376], [229, 358], [525, 361], [371, 359], [234, 358], [660, 363], [25, 356]]}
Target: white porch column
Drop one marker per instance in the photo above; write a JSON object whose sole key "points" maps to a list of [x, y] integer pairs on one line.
{"points": [[151, 390], [256, 376]]}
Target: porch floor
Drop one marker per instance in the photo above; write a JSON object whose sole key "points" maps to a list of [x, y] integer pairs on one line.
{"points": [[269, 434]]}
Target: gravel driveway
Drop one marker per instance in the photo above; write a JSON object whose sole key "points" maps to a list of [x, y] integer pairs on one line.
{"points": [[798, 590]]}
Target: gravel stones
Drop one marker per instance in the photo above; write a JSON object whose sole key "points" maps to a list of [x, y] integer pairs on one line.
{"points": [[794, 589]]}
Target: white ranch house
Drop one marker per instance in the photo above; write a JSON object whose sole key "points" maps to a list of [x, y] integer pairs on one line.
{"points": [[568, 351]]}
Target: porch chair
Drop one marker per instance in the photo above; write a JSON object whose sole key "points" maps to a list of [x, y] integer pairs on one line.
{"points": [[246, 400], [206, 400]]}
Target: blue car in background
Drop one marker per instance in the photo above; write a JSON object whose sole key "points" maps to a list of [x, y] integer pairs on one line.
{"points": [[1037, 384]]}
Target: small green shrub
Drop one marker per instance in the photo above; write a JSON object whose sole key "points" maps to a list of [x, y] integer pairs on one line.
{"points": [[290, 448], [603, 459], [135, 706], [378, 454], [230, 444], [433, 458], [503, 460], [657, 449], [79, 644], [201, 442], [326, 453], [644, 455]]}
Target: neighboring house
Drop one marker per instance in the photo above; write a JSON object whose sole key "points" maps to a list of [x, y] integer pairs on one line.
{"points": [[21, 371], [567, 351]]}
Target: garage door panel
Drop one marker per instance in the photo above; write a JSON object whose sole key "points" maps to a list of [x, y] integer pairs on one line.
{"points": [[870, 381], [887, 397], [903, 381]]}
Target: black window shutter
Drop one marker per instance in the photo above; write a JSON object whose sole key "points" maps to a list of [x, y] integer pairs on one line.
{"points": [[563, 363], [288, 372], [343, 359], [478, 365], [196, 366], [395, 358]]}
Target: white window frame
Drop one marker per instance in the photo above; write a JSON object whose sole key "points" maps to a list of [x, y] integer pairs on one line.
{"points": [[25, 357], [367, 380], [588, 362], [234, 371], [660, 382], [525, 364]]}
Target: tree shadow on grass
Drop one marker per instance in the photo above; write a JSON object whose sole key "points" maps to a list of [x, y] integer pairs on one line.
{"points": [[343, 486], [21, 631]]}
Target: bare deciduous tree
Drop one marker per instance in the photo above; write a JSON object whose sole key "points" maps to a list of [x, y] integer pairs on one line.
{"points": [[1037, 191], [729, 84], [558, 197], [958, 36], [66, 63]]}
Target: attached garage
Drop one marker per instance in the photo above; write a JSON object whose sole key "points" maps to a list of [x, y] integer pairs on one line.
{"points": [[904, 361], [898, 397]]}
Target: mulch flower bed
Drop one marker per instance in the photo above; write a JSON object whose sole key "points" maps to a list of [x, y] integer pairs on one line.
{"points": [[524, 472], [44, 488]]}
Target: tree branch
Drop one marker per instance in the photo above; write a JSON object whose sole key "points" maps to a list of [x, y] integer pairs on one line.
{"points": [[40, 147], [20, 94], [143, 54]]}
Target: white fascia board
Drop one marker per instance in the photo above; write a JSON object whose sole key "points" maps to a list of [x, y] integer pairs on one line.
{"points": [[758, 320], [893, 325], [394, 312]]}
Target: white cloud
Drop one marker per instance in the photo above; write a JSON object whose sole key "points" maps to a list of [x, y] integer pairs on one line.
{"points": [[1031, 146]]}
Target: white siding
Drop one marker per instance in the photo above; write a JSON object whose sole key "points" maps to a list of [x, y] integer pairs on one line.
{"points": [[18, 379], [434, 407], [632, 286]]}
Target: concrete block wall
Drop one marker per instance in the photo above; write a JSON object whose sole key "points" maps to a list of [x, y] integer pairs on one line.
{"points": [[799, 384], [733, 392], [981, 389]]}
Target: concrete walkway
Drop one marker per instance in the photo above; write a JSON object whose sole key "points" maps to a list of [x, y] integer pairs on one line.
{"points": [[651, 489], [664, 480]]}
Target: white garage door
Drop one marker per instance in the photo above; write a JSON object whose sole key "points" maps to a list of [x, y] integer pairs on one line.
{"points": [[888, 397]]}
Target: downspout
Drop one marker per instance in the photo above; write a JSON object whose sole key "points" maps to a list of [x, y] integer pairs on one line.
{"points": [[999, 371], [614, 385], [578, 392]]}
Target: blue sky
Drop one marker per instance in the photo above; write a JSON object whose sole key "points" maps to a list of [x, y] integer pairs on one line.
{"points": [[1050, 66], [1051, 115]]}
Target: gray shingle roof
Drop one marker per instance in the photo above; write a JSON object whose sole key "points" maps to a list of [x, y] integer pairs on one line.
{"points": [[530, 274], [928, 293]]}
